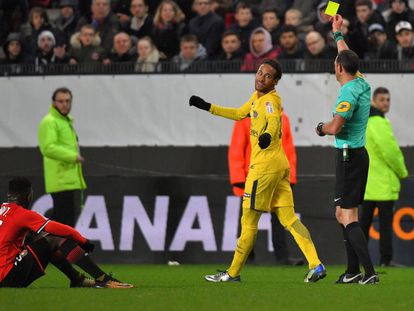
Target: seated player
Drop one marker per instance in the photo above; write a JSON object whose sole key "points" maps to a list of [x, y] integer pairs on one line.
{"points": [[23, 261]]}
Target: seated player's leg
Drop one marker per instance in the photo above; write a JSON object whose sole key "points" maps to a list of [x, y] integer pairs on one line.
{"points": [[29, 265]]}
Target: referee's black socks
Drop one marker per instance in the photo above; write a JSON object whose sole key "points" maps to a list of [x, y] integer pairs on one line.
{"points": [[358, 242], [352, 257]]}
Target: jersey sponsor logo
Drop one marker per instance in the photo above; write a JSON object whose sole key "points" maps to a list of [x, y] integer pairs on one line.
{"points": [[269, 107], [343, 107]]}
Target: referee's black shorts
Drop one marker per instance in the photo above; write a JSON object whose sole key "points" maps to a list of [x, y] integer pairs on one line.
{"points": [[351, 177], [29, 265]]}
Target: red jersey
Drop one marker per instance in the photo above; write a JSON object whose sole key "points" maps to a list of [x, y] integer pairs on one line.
{"points": [[15, 223]]}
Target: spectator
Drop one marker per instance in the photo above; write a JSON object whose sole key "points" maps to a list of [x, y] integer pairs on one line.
{"points": [[62, 161], [168, 28], [366, 16], [148, 56], [38, 21], [122, 51], [405, 39], [14, 53], [271, 22], [85, 47], [244, 25], [317, 47], [67, 20], [46, 52], [386, 168], [260, 48], [207, 26], [380, 46], [400, 11], [281, 6], [103, 21], [231, 45], [307, 9], [293, 17], [141, 23], [292, 47], [191, 55]]}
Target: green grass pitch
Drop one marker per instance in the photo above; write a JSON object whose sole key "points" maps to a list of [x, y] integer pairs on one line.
{"points": [[183, 288]]}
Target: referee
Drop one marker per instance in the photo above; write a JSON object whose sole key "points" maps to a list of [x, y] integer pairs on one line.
{"points": [[349, 124]]}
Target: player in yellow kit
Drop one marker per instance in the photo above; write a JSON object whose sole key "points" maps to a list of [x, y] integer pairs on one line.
{"points": [[267, 186]]}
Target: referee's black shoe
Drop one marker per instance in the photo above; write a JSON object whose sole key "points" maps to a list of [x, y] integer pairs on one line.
{"points": [[372, 279], [349, 278]]}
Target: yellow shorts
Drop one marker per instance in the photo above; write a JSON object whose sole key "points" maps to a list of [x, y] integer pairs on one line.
{"points": [[264, 192]]}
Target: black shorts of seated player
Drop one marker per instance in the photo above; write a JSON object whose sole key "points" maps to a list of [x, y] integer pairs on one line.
{"points": [[351, 177]]}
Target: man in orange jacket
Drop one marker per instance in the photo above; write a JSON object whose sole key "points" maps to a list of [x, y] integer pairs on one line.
{"points": [[239, 161]]}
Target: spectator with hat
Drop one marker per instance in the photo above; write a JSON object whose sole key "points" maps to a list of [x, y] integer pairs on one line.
{"points": [[405, 38], [13, 51], [67, 20], [399, 11], [380, 46], [46, 52]]}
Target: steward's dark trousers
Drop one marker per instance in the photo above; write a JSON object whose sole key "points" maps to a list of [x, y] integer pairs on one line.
{"points": [[66, 206], [386, 214]]}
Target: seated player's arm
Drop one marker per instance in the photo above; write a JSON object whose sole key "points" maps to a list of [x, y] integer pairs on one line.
{"points": [[38, 223]]}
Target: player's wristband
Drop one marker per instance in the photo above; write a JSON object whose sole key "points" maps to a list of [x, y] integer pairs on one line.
{"points": [[319, 129]]}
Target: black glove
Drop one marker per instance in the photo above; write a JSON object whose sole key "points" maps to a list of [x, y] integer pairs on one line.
{"points": [[199, 103], [264, 140], [88, 246]]}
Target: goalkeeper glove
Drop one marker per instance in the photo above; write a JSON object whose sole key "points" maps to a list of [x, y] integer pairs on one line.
{"points": [[199, 103], [264, 140]]}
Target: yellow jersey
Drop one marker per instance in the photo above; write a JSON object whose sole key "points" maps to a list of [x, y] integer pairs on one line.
{"points": [[266, 117]]}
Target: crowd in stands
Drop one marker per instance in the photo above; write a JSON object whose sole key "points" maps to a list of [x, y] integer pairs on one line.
{"points": [[184, 35]]}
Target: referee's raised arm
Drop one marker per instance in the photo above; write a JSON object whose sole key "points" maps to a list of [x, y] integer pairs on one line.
{"points": [[337, 22]]}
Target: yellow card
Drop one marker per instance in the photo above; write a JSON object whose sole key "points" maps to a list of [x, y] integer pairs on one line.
{"points": [[332, 8]]}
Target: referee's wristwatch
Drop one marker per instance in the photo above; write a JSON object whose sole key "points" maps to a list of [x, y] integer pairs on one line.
{"points": [[319, 128]]}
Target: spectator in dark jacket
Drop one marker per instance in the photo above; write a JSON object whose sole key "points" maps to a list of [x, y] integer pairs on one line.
{"points": [[244, 25], [168, 28], [292, 47], [366, 16], [400, 11], [207, 26], [380, 46], [67, 20], [191, 56], [271, 22], [317, 47], [104, 22], [405, 38], [46, 53], [122, 52], [141, 23], [231, 46], [14, 52], [86, 48]]}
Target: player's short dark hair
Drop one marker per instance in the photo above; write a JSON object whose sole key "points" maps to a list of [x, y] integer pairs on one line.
{"points": [[380, 90], [189, 38], [270, 10], [19, 185], [349, 60], [367, 3], [276, 66], [288, 28], [230, 33]]}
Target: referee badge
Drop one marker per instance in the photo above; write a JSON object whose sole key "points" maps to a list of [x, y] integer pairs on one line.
{"points": [[269, 107], [343, 107]]}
